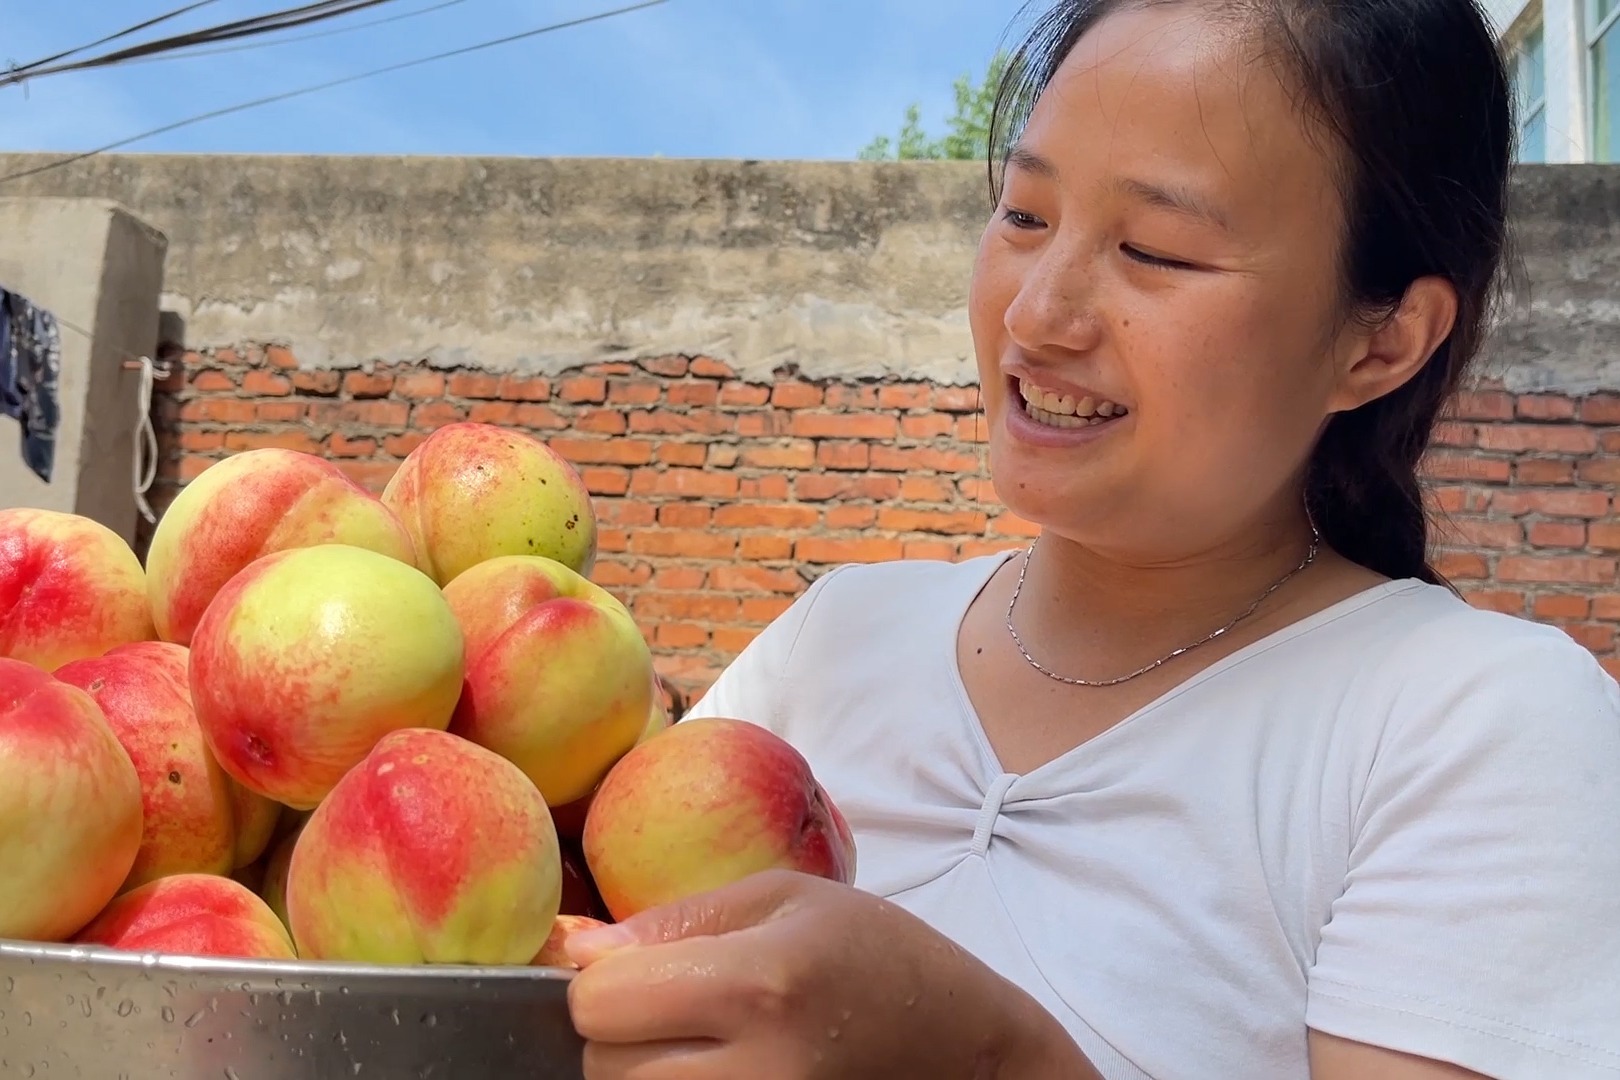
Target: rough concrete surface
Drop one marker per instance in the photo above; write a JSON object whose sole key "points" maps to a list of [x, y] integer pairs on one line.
{"points": [[541, 265], [1561, 330], [100, 271], [842, 269]]}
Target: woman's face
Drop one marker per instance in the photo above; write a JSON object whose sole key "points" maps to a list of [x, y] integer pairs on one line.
{"points": [[1155, 302]]}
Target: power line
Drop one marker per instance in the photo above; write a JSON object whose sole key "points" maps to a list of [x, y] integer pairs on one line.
{"points": [[227, 49], [288, 95], [137, 28], [259, 24]]}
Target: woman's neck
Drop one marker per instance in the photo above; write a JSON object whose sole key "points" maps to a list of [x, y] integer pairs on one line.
{"points": [[1079, 601]]}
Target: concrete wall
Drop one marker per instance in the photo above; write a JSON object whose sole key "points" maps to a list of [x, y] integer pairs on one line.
{"points": [[540, 265], [100, 271], [850, 269]]}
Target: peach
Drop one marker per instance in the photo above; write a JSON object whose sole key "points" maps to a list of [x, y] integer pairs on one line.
{"points": [[473, 492], [570, 817], [191, 915], [309, 656], [197, 819], [251, 875], [579, 895], [69, 588], [70, 806], [250, 505], [659, 718], [257, 818], [273, 886], [704, 804], [431, 850], [554, 952], [559, 678]]}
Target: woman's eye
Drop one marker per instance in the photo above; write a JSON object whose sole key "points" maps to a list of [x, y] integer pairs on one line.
{"points": [[1020, 220], [1138, 255]]}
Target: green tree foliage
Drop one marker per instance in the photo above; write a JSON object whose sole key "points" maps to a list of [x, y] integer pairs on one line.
{"points": [[969, 126]]}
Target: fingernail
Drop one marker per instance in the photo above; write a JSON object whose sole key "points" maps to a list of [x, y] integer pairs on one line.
{"points": [[585, 946]]}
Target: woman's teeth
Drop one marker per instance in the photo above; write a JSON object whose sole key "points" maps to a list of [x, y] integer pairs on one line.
{"points": [[1065, 411]]}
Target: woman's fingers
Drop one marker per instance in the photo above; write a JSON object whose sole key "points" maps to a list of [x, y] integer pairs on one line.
{"points": [[705, 988], [738, 906], [656, 1061]]}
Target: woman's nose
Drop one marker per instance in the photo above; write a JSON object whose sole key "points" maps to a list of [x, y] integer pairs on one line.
{"points": [[1054, 307]]}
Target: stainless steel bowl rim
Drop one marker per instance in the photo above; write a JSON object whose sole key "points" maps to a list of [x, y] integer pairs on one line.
{"points": [[307, 970]]}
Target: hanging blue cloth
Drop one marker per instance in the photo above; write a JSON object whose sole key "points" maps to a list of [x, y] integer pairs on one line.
{"points": [[10, 399], [30, 378]]}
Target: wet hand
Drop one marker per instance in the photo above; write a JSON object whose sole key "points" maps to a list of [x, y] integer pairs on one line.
{"points": [[792, 977]]}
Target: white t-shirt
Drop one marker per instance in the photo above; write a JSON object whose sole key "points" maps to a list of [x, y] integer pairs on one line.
{"points": [[1397, 821]]}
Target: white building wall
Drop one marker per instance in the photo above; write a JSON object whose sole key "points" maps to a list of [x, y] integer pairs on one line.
{"points": [[1567, 126], [1566, 60], [1504, 13]]}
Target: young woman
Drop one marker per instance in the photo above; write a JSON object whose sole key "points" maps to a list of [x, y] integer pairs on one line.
{"points": [[1217, 779]]}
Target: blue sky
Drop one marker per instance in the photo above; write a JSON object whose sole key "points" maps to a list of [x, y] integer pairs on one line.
{"points": [[691, 78]]}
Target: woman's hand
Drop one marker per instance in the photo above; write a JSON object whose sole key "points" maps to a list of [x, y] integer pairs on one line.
{"points": [[790, 977]]}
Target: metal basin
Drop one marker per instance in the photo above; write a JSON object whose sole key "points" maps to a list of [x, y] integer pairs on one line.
{"points": [[69, 1012]]}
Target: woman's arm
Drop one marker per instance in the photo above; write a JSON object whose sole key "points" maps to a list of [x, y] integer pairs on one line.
{"points": [[1038, 1048], [1333, 1058]]}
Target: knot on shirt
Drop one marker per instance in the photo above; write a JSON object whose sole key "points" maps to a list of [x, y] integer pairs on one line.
{"points": [[990, 811]]}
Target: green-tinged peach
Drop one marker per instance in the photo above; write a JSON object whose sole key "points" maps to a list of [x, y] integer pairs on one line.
{"points": [[196, 818], [309, 656], [257, 819], [431, 850], [70, 588], [559, 678], [250, 505], [70, 806], [473, 492], [191, 915], [705, 804]]}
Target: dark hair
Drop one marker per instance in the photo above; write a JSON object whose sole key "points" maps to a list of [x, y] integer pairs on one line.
{"points": [[1416, 94]]}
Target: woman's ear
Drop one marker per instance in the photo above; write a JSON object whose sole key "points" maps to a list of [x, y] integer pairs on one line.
{"points": [[1382, 360]]}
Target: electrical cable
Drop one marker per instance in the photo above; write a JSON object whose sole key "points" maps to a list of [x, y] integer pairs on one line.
{"points": [[137, 28], [295, 39], [284, 19], [303, 91]]}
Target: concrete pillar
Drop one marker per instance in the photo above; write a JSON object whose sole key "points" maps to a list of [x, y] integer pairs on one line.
{"points": [[100, 271]]}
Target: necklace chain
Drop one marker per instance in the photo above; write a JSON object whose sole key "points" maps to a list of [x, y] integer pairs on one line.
{"points": [[1310, 557]]}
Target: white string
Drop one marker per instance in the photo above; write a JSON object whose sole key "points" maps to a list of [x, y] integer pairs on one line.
{"points": [[145, 459], [144, 462]]}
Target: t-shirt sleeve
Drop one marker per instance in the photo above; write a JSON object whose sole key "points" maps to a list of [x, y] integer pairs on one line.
{"points": [[1479, 922], [750, 687]]}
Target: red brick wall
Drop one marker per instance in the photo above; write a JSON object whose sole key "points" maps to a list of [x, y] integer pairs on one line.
{"points": [[720, 498]]}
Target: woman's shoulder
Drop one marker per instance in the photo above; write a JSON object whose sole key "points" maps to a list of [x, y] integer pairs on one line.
{"points": [[1439, 670], [1432, 634]]}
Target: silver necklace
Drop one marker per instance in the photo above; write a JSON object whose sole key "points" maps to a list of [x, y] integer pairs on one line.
{"points": [[1310, 557]]}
